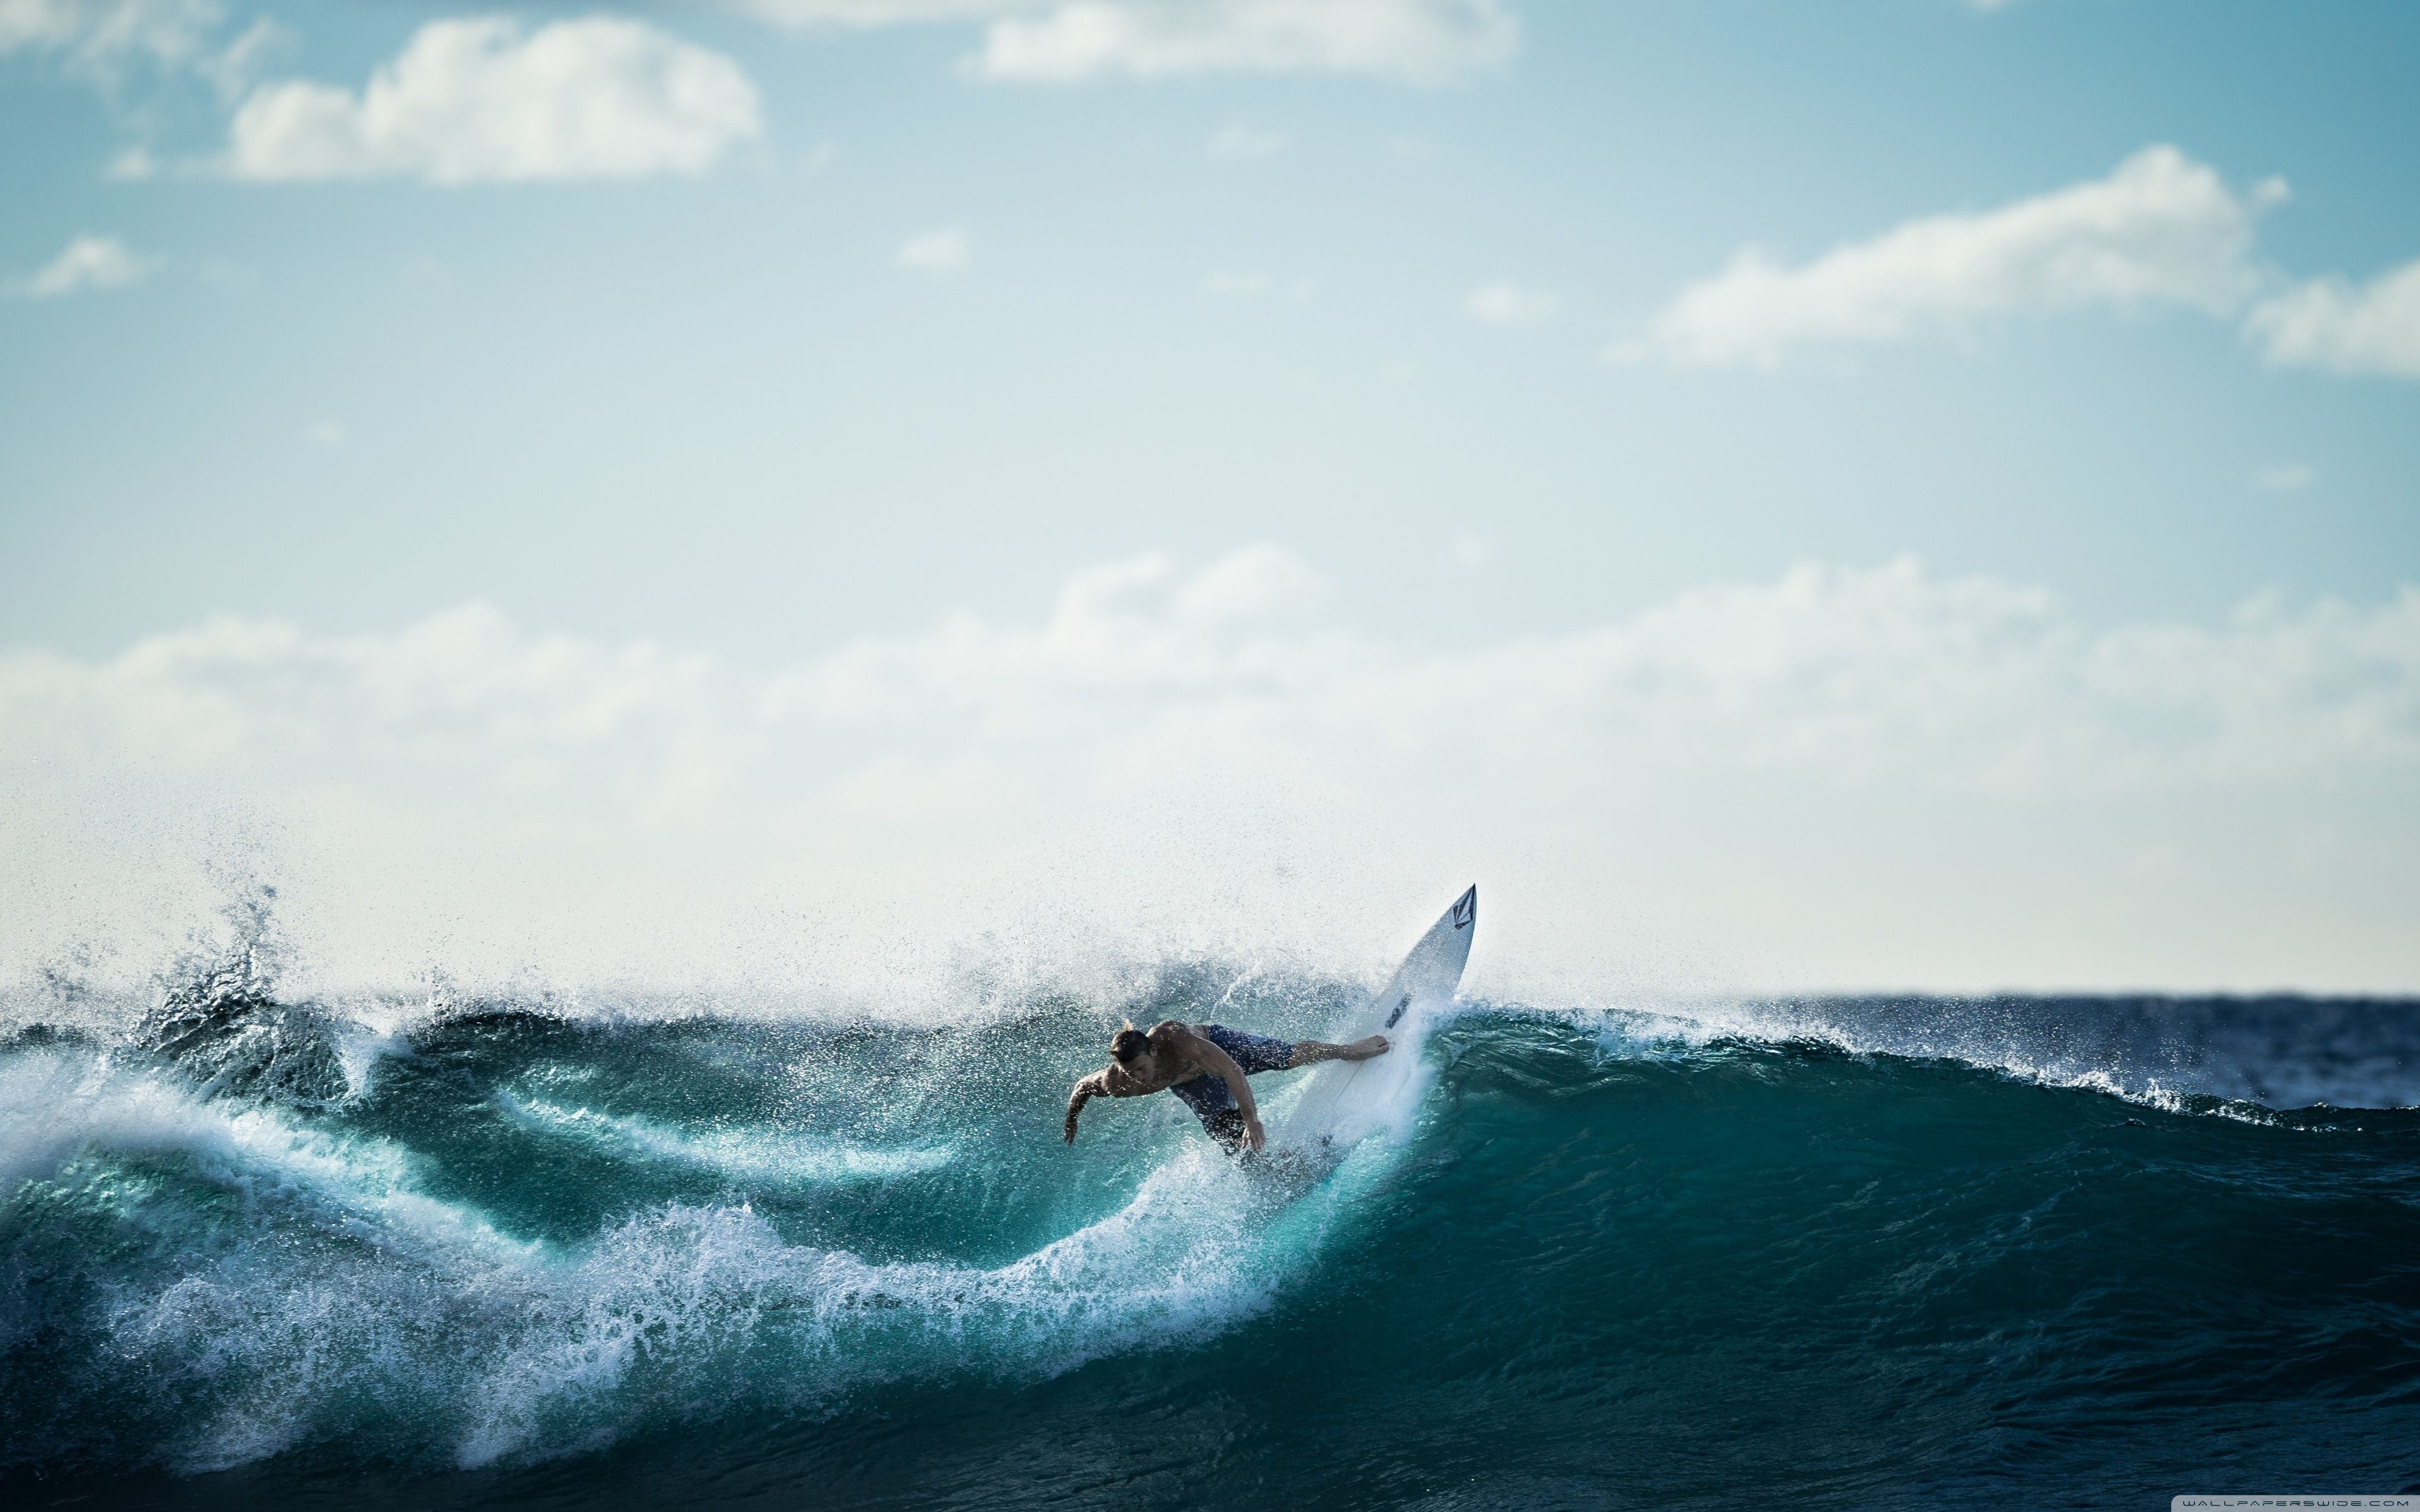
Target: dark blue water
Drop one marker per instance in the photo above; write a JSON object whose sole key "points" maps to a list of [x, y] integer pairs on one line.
{"points": [[1876, 1254]]}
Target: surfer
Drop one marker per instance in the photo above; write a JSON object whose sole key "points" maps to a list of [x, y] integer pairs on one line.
{"points": [[1208, 1066]]}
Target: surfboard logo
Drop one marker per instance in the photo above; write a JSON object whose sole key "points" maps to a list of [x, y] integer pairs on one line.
{"points": [[1398, 1013], [1466, 909]]}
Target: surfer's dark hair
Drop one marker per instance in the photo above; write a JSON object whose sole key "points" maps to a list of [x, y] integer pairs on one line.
{"points": [[1129, 1043]]}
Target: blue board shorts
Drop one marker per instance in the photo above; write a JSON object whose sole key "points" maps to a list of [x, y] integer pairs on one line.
{"points": [[1207, 1094]]}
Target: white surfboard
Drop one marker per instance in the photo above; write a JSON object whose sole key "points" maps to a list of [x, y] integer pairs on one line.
{"points": [[1348, 1099]]}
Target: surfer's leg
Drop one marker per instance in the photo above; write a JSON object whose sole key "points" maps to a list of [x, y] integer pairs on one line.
{"points": [[1252, 1053], [1310, 1052]]}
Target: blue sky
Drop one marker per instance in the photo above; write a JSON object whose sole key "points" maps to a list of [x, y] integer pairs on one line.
{"points": [[823, 333]]}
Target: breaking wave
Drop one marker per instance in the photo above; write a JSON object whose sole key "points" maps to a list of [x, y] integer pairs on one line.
{"points": [[1890, 1252]]}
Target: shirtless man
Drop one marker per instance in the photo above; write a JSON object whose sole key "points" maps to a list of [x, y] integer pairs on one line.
{"points": [[1208, 1066]]}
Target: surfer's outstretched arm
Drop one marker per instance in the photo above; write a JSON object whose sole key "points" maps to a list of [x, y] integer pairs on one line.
{"points": [[1096, 1085]]}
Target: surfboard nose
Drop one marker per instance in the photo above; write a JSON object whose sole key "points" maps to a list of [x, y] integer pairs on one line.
{"points": [[1466, 909]]}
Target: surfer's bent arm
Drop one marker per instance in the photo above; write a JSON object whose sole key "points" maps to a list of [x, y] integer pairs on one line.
{"points": [[1096, 1085]]}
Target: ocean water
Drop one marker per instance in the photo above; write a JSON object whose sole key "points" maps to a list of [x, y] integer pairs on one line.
{"points": [[432, 1251]]}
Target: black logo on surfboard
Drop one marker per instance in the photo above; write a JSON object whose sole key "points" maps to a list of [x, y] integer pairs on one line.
{"points": [[1466, 909], [1398, 1011]]}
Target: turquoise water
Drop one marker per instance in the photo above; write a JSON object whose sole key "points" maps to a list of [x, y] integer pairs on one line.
{"points": [[1899, 1254]]}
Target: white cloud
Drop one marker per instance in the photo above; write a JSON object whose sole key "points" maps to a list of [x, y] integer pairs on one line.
{"points": [[2328, 323], [1859, 775], [1238, 143], [945, 251], [476, 99], [90, 262], [2161, 229], [1416, 41], [2286, 477], [106, 34], [866, 14], [160, 28], [1503, 303], [103, 41]]}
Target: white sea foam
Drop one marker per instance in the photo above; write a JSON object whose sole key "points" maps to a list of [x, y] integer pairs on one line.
{"points": [[755, 1154], [58, 1107], [350, 1300], [556, 1349]]}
